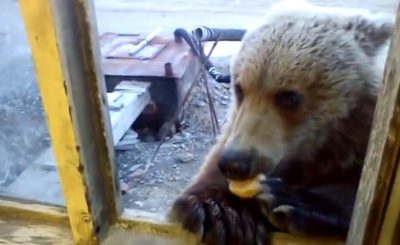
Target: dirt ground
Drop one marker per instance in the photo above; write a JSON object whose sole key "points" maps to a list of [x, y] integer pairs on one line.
{"points": [[23, 129]]}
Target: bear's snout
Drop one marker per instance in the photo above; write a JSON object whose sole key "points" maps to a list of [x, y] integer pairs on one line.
{"points": [[235, 164], [239, 164]]}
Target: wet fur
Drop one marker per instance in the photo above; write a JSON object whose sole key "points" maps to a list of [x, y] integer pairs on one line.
{"points": [[316, 153]]}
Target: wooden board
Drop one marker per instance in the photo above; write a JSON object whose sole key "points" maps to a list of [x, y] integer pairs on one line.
{"points": [[12, 232], [126, 103], [382, 159]]}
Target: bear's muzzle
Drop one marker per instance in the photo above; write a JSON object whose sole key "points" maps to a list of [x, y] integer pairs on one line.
{"points": [[242, 164]]}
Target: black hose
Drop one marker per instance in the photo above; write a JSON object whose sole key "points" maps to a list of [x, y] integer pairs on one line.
{"points": [[181, 33], [204, 33], [209, 34], [219, 76]]}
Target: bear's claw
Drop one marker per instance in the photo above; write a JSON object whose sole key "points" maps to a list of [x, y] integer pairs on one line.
{"points": [[300, 211], [219, 219]]}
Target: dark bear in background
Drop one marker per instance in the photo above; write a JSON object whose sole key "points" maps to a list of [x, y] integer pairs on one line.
{"points": [[305, 83]]}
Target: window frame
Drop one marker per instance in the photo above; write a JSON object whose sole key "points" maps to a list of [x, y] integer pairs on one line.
{"points": [[63, 37]]}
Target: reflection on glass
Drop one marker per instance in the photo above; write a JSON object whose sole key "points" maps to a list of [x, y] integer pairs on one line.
{"points": [[27, 168]]}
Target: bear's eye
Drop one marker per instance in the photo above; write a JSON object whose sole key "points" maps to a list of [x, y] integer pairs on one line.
{"points": [[239, 93], [288, 99]]}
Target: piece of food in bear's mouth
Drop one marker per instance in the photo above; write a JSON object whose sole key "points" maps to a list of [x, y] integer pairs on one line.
{"points": [[246, 188]]}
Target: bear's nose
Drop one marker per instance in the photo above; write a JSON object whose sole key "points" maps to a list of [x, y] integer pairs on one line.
{"points": [[236, 164]]}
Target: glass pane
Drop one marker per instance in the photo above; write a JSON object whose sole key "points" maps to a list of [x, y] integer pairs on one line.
{"points": [[27, 168], [152, 186]]}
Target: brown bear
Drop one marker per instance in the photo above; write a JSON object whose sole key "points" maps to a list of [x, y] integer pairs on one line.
{"points": [[305, 84]]}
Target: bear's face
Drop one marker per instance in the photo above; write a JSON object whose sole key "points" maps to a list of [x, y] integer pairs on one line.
{"points": [[294, 80]]}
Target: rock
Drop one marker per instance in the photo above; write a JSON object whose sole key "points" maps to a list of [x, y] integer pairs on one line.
{"points": [[177, 178], [135, 167], [226, 85], [178, 138], [224, 102], [128, 141], [184, 157], [225, 97], [139, 204], [200, 104], [124, 188]]}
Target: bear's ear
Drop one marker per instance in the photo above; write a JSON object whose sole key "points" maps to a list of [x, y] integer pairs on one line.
{"points": [[371, 33]]}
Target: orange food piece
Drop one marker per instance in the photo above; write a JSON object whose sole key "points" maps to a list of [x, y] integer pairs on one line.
{"points": [[246, 188]]}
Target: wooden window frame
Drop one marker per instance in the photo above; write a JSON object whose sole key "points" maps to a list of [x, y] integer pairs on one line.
{"points": [[63, 38]]}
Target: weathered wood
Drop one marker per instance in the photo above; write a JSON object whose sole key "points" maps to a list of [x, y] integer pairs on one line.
{"points": [[16, 232], [128, 101], [124, 237], [389, 234], [63, 39], [12, 209], [146, 223], [382, 158]]}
